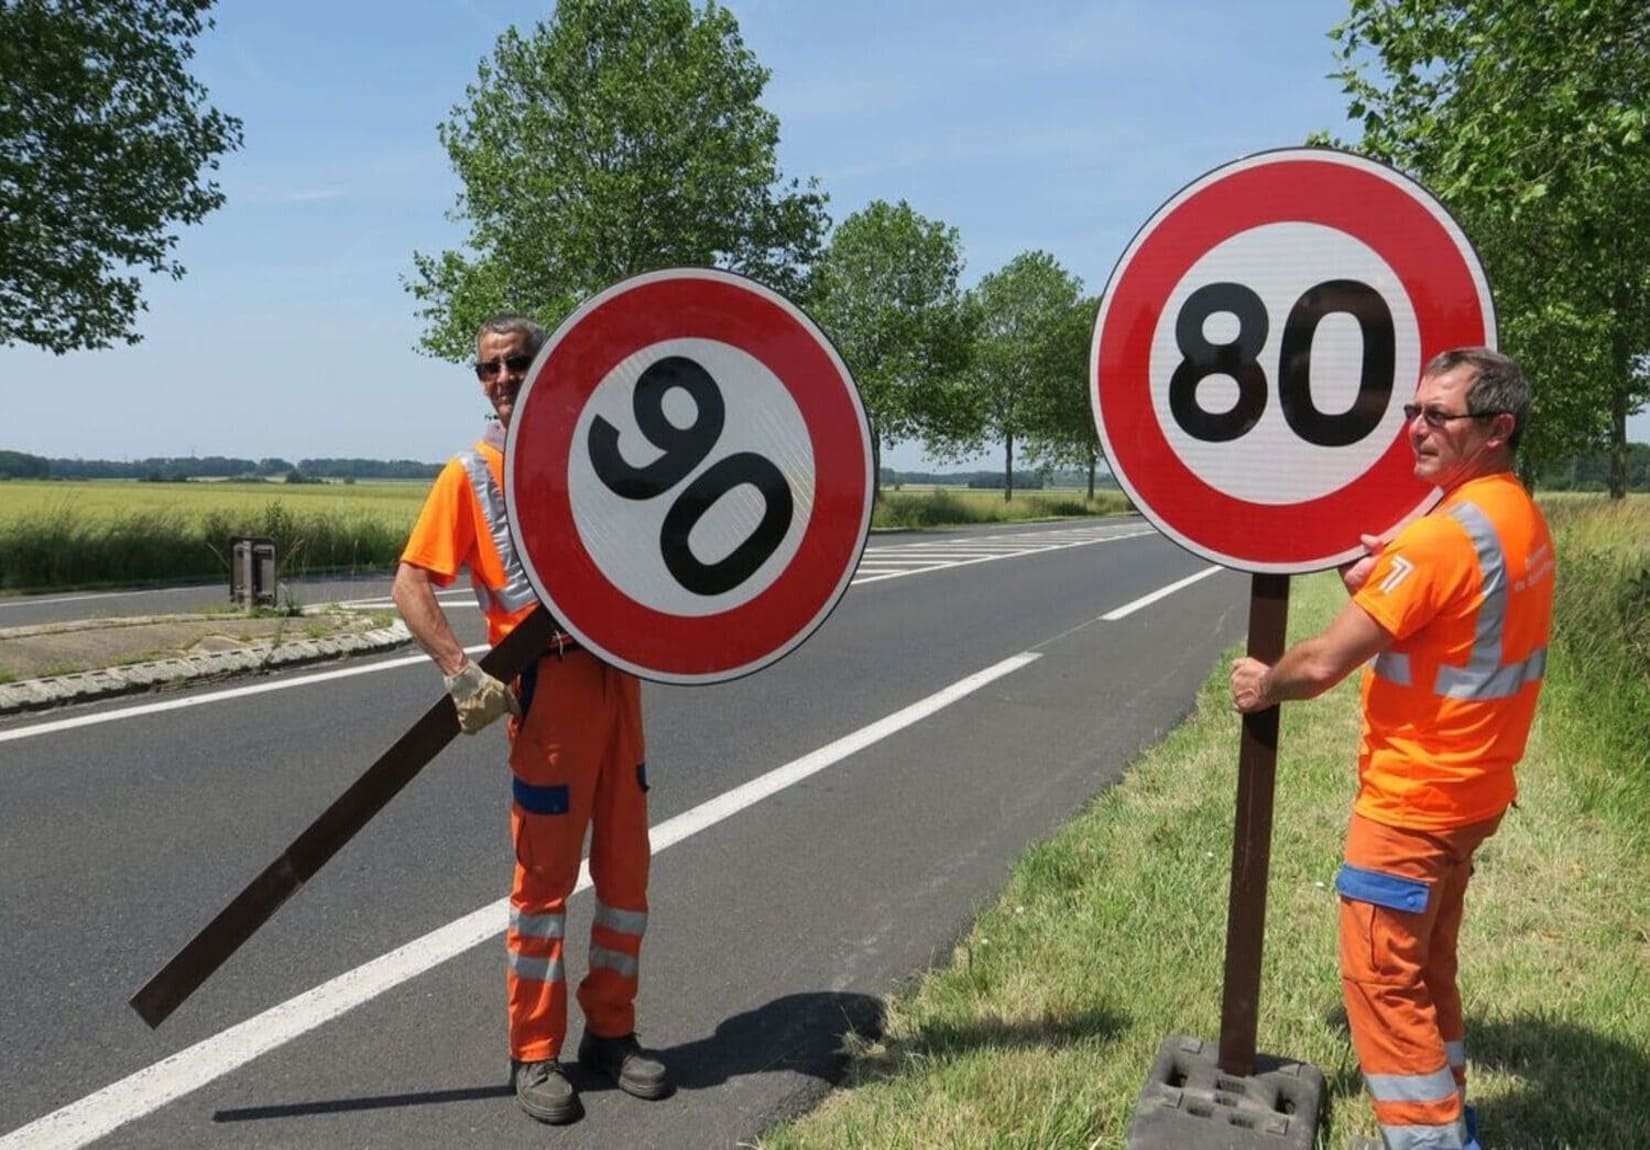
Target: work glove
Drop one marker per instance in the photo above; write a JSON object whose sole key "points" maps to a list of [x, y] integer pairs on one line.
{"points": [[479, 697]]}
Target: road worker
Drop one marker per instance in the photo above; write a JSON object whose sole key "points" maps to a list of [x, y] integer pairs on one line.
{"points": [[576, 761], [1454, 611]]}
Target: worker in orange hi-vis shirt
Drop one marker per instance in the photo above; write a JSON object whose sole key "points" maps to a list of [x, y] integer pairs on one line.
{"points": [[577, 761], [1454, 611]]}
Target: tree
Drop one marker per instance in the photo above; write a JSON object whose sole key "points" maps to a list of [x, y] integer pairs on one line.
{"points": [[886, 293], [1021, 356], [1529, 121], [1059, 424], [620, 137], [103, 139]]}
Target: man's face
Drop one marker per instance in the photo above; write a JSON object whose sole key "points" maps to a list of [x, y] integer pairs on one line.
{"points": [[1450, 453], [499, 382]]}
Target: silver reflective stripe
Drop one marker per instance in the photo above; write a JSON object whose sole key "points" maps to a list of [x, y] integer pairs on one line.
{"points": [[538, 969], [624, 921], [1411, 1087], [1485, 676], [1393, 667], [517, 591], [1449, 1137], [538, 925], [613, 960], [1457, 1051]]}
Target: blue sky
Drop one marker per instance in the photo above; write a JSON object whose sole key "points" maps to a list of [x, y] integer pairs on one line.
{"points": [[1059, 126]]}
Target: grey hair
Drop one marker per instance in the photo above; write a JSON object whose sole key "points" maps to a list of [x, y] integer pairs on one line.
{"points": [[509, 323], [1497, 385]]}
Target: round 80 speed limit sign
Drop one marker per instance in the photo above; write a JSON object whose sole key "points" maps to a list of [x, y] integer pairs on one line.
{"points": [[688, 475], [1255, 347]]}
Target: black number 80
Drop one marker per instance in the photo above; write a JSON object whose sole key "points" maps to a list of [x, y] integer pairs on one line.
{"points": [[684, 449], [1236, 359]]}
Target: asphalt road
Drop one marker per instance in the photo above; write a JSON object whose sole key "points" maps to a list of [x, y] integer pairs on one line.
{"points": [[779, 917]]}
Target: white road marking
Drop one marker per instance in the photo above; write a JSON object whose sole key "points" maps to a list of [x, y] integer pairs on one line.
{"points": [[189, 1069], [1039, 542], [1162, 592], [56, 725]]}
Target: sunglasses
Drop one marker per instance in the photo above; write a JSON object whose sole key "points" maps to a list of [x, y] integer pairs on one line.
{"points": [[1436, 418], [516, 364]]}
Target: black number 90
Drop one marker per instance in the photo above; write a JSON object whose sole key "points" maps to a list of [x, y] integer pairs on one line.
{"points": [[1201, 359], [684, 449]]}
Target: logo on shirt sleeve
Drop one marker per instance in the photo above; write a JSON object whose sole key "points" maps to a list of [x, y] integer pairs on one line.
{"points": [[1400, 570]]}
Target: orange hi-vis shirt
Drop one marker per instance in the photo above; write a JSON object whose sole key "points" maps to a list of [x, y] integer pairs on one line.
{"points": [[1466, 591], [462, 526]]}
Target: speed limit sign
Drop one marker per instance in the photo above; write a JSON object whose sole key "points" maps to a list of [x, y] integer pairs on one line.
{"points": [[1255, 347], [688, 475]]}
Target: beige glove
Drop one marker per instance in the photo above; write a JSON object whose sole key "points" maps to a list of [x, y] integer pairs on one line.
{"points": [[479, 697]]}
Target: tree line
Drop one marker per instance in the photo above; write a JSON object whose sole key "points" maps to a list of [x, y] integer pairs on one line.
{"points": [[176, 469], [620, 136]]}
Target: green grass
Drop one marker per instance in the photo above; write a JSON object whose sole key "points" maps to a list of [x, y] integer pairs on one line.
{"points": [[110, 533], [950, 506], [1040, 1029]]}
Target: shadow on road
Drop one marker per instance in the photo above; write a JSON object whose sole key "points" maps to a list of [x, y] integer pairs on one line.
{"points": [[800, 1033]]}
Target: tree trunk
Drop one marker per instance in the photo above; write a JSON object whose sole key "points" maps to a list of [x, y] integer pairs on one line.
{"points": [[1092, 463], [876, 468], [1008, 472], [1621, 382]]}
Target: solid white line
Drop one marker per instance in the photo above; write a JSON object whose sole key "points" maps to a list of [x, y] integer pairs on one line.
{"points": [[1147, 600], [189, 1069], [216, 696]]}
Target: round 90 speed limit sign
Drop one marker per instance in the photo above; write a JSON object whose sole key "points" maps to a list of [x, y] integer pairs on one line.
{"points": [[1255, 347], [688, 475]]}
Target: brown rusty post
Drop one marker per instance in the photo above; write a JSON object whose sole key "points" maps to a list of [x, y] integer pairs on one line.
{"points": [[1252, 838], [334, 827]]}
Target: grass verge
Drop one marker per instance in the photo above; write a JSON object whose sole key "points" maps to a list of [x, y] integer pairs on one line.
{"points": [[1111, 935]]}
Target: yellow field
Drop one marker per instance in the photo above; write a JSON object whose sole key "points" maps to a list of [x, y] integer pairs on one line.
{"points": [[117, 498]]}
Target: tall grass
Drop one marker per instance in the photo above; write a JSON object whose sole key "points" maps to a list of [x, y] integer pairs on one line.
{"points": [[947, 507], [65, 546], [1598, 677]]}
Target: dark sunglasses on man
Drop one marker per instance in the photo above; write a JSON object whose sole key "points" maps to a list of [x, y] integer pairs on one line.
{"points": [[515, 364], [1436, 418]]}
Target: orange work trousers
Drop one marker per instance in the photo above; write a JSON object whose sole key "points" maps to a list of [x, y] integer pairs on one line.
{"points": [[1402, 896], [577, 761]]}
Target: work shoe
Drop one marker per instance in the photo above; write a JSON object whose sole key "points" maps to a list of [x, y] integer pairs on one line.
{"points": [[636, 1071], [544, 1092]]}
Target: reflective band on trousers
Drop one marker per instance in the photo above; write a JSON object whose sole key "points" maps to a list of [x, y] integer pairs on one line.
{"points": [[539, 969], [1485, 676], [1457, 1051], [1411, 1087], [624, 921], [1450, 1137], [613, 960], [517, 591], [538, 925]]}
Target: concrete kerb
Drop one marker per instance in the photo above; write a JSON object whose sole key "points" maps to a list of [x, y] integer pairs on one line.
{"points": [[254, 658]]}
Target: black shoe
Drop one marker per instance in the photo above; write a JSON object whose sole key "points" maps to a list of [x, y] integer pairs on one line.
{"points": [[636, 1071], [544, 1092]]}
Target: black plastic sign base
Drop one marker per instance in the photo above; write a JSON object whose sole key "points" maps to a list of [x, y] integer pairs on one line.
{"points": [[1189, 1103]]}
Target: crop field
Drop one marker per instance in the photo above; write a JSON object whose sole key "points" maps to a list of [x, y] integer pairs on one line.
{"points": [[113, 499]]}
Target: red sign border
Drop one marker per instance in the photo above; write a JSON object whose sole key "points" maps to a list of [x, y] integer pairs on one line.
{"points": [[1266, 188], [685, 303]]}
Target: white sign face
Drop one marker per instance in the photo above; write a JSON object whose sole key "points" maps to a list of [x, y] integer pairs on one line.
{"points": [[1256, 345], [622, 535], [688, 475]]}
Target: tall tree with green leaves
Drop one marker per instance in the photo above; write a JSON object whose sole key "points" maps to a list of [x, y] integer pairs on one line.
{"points": [[619, 137], [1059, 418], [1529, 121], [104, 141], [886, 293], [1022, 355]]}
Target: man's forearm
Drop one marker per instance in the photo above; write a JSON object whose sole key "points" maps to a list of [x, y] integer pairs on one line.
{"points": [[415, 599]]}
